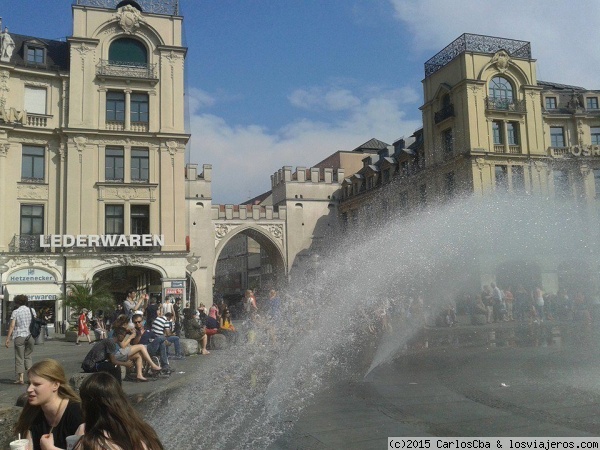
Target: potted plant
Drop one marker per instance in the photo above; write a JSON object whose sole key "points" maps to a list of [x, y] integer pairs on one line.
{"points": [[92, 296]]}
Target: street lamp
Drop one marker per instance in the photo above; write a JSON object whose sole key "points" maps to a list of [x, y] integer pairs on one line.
{"points": [[193, 261]]}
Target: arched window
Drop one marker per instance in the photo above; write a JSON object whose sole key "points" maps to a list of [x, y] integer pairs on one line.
{"points": [[127, 51], [500, 88]]}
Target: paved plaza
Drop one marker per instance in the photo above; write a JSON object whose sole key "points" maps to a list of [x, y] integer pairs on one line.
{"points": [[492, 380]]}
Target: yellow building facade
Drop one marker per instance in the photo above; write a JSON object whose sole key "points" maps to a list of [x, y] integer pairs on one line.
{"points": [[92, 146], [489, 127]]}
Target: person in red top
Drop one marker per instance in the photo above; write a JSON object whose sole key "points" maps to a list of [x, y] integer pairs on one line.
{"points": [[82, 328]]}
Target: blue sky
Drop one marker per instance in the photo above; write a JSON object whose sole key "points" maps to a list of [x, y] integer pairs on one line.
{"points": [[273, 83]]}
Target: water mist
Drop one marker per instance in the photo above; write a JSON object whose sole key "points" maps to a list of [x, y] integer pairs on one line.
{"points": [[249, 395]]}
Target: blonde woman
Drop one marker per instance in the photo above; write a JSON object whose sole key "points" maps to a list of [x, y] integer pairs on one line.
{"points": [[52, 409]]}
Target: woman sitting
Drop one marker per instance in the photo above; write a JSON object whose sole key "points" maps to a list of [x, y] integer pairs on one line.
{"points": [[227, 327], [52, 409], [136, 353], [193, 330], [110, 420]]}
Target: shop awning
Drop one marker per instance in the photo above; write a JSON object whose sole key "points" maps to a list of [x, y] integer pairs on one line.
{"points": [[35, 292]]}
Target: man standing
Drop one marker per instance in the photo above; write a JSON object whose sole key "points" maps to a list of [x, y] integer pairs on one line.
{"points": [[132, 303], [20, 319]]}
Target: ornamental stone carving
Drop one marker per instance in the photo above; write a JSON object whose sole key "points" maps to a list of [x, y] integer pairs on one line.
{"points": [[126, 193], [502, 60], [539, 165], [80, 142], [129, 19], [276, 231], [221, 231], [31, 261], [480, 162], [32, 191], [127, 260], [4, 149]]}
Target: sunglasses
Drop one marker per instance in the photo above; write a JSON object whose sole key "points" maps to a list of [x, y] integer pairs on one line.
{"points": [[137, 321]]}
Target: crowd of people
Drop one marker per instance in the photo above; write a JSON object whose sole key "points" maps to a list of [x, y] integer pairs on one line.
{"points": [[143, 335]]}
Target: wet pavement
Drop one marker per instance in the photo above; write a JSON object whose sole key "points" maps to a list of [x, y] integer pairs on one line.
{"points": [[495, 380], [503, 379]]}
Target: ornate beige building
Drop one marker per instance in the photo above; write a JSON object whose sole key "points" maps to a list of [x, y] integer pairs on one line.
{"points": [[92, 146], [489, 126]]}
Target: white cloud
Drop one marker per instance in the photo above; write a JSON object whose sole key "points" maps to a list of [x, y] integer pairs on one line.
{"points": [[199, 99], [317, 98], [244, 157], [564, 40]]}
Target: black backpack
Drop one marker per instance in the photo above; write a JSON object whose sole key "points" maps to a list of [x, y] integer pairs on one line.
{"points": [[35, 327]]}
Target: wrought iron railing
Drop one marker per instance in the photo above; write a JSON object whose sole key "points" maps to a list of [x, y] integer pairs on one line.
{"points": [[479, 44], [106, 67], [444, 113], [167, 7], [24, 243], [504, 104]]}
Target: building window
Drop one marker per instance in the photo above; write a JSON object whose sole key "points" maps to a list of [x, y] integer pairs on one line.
{"points": [[115, 106], [550, 102], [592, 103], [557, 137], [501, 173], [450, 185], [447, 141], [139, 108], [114, 219], [114, 164], [32, 226], [595, 133], [35, 55], [497, 133], [518, 179], [386, 175], [512, 133], [32, 220], [35, 100], [32, 164], [501, 91], [127, 51], [561, 184], [139, 164], [140, 219]]}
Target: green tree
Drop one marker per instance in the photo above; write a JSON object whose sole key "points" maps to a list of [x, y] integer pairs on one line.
{"points": [[92, 296]]}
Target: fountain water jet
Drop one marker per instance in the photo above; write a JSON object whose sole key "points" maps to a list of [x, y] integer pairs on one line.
{"points": [[251, 394]]}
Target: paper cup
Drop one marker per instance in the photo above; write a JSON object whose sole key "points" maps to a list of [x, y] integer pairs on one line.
{"points": [[72, 441], [19, 444]]}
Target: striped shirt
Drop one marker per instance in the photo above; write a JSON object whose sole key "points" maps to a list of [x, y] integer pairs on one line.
{"points": [[159, 324], [22, 317]]}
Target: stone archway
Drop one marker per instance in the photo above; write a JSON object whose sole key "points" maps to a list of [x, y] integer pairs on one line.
{"points": [[247, 257], [121, 278]]}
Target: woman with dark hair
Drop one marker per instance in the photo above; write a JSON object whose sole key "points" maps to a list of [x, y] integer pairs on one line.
{"points": [[110, 420], [53, 409], [18, 330]]}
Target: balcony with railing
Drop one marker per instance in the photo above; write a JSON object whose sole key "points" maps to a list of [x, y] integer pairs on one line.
{"points": [[513, 149], [107, 68], [505, 104], [444, 113], [37, 120]]}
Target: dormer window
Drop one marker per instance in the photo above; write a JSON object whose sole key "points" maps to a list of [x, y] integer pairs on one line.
{"points": [[34, 53]]}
